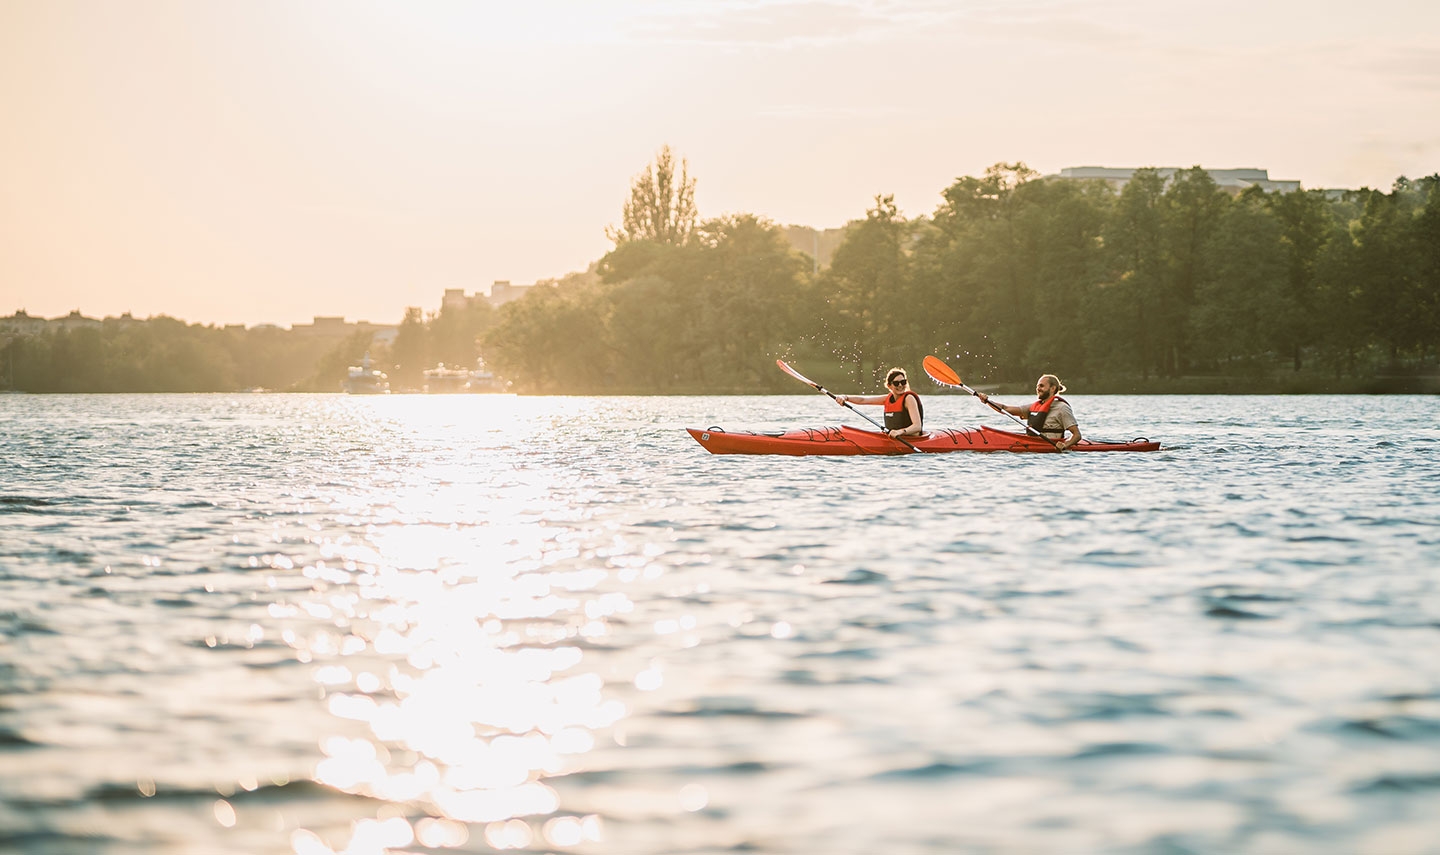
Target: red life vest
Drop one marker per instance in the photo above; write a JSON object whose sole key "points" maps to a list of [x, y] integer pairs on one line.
{"points": [[896, 416], [1040, 410]]}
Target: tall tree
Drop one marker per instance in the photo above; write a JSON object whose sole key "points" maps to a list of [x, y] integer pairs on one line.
{"points": [[755, 285], [553, 340], [1062, 226], [868, 278], [1307, 225], [1000, 258], [1427, 244], [410, 354], [454, 333], [1385, 268], [661, 207], [1237, 308], [1194, 206], [1124, 310]]}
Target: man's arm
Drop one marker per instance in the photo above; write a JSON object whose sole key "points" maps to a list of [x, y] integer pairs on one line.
{"points": [[1068, 425]]}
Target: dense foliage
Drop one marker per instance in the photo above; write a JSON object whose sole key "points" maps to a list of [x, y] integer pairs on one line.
{"points": [[1162, 285], [166, 355], [163, 355]]}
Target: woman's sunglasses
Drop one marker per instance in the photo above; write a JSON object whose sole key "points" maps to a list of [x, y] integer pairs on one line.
{"points": [[899, 381]]}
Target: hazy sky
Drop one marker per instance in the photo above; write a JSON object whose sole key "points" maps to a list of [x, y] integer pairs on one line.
{"points": [[252, 161]]}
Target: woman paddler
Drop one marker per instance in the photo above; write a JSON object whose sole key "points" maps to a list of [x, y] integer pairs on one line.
{"points": [[904, 414]]}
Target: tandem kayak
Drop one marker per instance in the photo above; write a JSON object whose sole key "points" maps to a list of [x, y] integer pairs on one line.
{"points": [[845, 440]]}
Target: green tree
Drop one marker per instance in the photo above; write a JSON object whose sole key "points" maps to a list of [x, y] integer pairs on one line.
{"points": [[1307, 225], [454, 333], [331, 369], [1194, 206], [755, 289], [1062, 224], [1003, 272], [1382, 269], [553, 340], [661, 207], [1427, 269], [867, 278], [410, 354], [1238, 307], [1126, 306]]}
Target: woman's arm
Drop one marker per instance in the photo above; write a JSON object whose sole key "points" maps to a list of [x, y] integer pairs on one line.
{"points": [[842, 400]]}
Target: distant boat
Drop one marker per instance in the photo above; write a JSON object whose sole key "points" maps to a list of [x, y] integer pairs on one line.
{"points": [[480, 379], [364, 380], [441, 380]]}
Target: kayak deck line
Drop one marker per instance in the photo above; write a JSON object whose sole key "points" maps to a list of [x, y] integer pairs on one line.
{"points": [[847, 441]]}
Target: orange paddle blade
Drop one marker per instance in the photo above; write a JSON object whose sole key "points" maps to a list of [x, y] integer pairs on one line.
{"points": [[940, 372], [785, 366]]}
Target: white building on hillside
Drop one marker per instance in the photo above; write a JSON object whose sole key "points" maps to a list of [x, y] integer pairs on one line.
{"points": [[1231, 180]]}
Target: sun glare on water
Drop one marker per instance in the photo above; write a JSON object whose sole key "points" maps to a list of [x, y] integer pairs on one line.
{"points": [[451, 641]]}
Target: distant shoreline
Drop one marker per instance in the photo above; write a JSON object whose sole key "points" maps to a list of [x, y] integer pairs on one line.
{"points": [[1219, 386]]}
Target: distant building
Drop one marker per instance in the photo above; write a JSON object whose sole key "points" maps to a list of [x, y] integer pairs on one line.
{"points": [[819, 244], [501, 292], [75, 320], [1230, 180], [455, 300], [330, 326], [23, 324], [336, 327], [379, 333]]}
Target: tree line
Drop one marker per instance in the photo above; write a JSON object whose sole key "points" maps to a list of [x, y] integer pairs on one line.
{"points": [[163, 354], [1164, 285]]}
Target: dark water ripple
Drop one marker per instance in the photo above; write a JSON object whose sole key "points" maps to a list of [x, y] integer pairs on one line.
{"points": [[276, 624]]}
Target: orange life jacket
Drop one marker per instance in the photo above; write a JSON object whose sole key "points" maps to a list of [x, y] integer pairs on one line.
{"points": [[1039, 410], [897, 417]]}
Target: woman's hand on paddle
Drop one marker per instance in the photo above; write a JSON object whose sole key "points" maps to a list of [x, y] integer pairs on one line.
{"points": [[841, 400]]}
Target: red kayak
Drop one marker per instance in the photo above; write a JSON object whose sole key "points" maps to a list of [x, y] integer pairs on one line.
{"points": [[848, 441]]}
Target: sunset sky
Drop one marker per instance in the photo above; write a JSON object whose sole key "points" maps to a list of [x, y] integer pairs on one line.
{"points": [[265, 161]]}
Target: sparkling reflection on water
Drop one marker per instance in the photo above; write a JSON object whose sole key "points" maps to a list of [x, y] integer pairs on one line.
{"points": [[320, 624]]}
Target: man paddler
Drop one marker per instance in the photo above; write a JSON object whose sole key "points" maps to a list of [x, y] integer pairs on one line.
{"points": [[1050, 415]]}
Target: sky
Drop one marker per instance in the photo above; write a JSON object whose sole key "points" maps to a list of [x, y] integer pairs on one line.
{"points": [[267, 161]]}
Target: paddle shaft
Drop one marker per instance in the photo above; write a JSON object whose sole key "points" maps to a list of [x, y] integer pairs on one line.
{"points": [[960, 384], [846, 404]]}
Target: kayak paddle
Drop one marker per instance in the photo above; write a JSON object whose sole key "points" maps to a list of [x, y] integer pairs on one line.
{"points": [[946, 376], [807, 381]]}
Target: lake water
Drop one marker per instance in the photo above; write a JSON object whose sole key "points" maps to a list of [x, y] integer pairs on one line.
{"points": [[311, 624]]}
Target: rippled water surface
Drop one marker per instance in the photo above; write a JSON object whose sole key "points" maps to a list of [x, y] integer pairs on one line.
{"points": [[312, 624]]}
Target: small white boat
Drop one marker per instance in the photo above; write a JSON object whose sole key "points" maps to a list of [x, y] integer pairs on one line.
{"points": [[441, 380], [364, 380], [481, 379]]}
